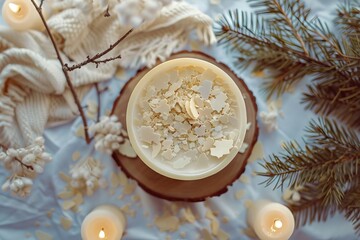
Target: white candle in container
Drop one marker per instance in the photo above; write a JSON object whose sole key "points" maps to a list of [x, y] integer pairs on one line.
{"points": [[21, 15], [271, 221], [186, 119], [104, 222]]}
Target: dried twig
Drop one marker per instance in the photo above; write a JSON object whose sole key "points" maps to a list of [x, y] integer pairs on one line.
{"points": [[66, 69], [95, 59], [98, 92], [66, 74], [23, 164]]}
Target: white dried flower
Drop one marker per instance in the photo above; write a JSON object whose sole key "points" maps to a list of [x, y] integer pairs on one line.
{"points": [[24, 164], [86, 175], [18, 185], [107, 134]]}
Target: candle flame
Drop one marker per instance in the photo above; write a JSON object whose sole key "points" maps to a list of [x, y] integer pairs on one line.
{"points": [[102, 234], [15, 8], [277, 225]]}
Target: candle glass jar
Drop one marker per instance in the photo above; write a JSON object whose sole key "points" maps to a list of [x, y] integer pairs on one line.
{"points": [[166, 76]]}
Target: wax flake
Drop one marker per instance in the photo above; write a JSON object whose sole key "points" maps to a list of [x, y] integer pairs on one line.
{"points": [[66, 223], [188, 215], [129, 188], [40, 235], [122, 179], [257, 152], [188, 110], [221, 148], [126, 149], [167, 154], [205, 88], [209, 142], [155, 150], [181, 163], [162, 82], [78, 199], [167, 223], [224, 119], [162, 107], [225, 220], [243, 147], [206, 235], [222, 235], [200, 131], [214, 223], [66, 194], [208, 74], [244, 179], [239, 194], [147, 134], [166, 144], [182, 127], [67, 205], [114, 180], [248, 125], [64, 177], [193, 109], [219, 102], [76, 156]]}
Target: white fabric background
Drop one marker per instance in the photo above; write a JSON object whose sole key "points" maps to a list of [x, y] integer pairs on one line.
{"points": [[18, 217]]}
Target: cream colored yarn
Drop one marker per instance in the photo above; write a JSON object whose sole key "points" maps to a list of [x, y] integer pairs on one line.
{"points": [[33, 89]]}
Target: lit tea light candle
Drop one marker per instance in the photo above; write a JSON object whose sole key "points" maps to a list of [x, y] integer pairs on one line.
{"points": [[104, 222], [21, 15], [271, 221]]}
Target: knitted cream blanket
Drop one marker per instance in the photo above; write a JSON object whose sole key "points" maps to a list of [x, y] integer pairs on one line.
{"points": [[33, 89]]}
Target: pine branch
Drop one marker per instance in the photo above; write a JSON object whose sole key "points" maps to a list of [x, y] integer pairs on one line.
{"points": [[351, 207], [293, 45], [311, 206], [330, 151], [348, 16]]}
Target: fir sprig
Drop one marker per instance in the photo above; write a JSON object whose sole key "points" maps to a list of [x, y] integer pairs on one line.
{"points": [[328, 167], [283, 37]]}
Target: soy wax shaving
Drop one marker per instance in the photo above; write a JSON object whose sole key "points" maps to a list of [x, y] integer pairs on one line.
{"points": [[187, 112]]}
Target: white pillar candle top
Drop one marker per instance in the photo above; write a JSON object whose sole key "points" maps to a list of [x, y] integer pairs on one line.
{"points": [[271, 221], [21, 15], [104, 222]]}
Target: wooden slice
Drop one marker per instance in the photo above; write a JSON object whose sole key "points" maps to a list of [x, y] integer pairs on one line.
{"points": [[194, 190]]}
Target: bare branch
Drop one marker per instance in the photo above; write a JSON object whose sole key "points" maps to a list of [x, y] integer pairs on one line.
{"points": [[66, 74], [99, 101], [96, 57], [23, 164]]}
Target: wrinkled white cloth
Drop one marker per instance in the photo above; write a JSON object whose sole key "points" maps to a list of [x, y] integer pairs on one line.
{"points": [[34, 92]]}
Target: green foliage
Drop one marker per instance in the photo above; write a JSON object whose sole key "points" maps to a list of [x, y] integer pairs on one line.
{"points": [[285, 39], [328, 168]]}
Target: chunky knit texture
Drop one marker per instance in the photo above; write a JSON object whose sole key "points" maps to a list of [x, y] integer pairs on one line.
{"points": [[33, 89]]}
